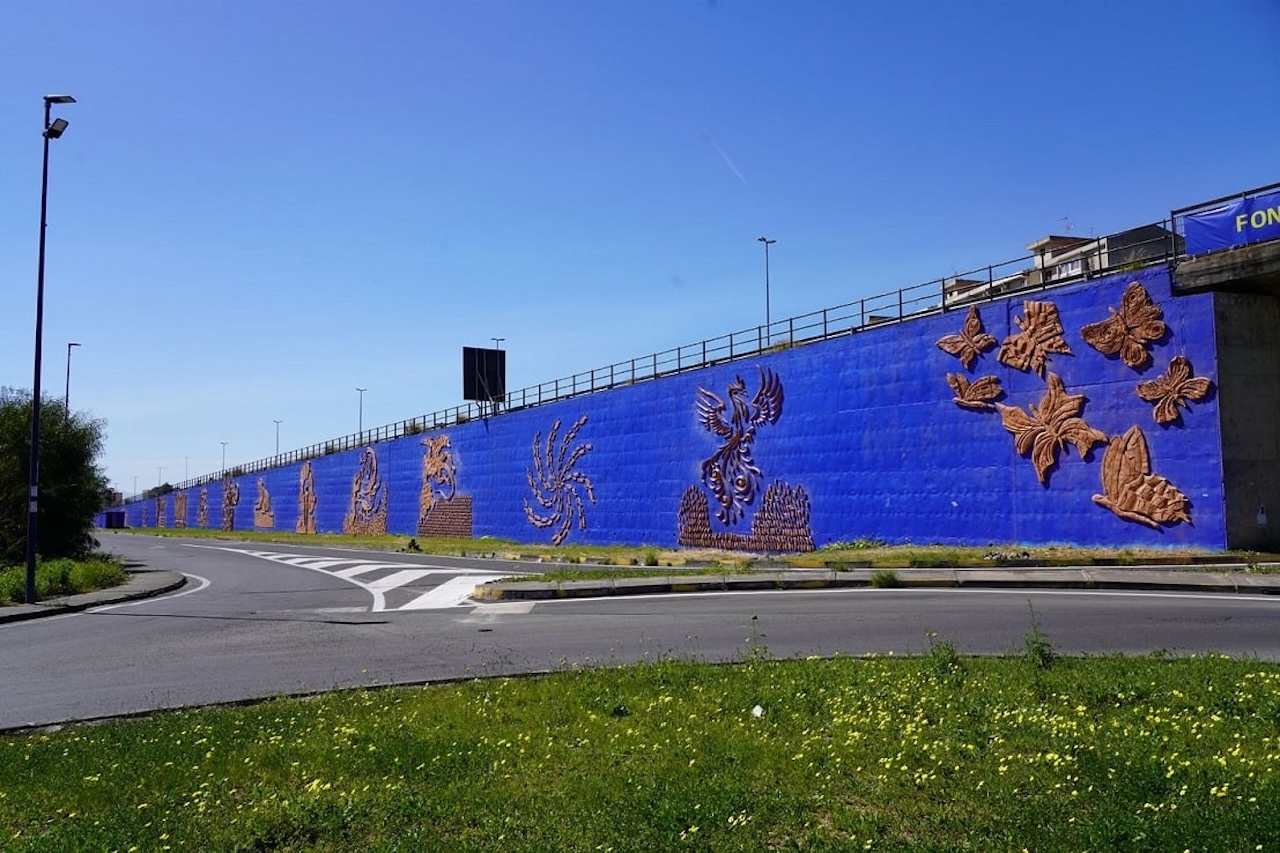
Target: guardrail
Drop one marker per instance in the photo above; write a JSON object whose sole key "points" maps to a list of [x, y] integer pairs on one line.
{"points": [[1178, 217], [1096, 256]]}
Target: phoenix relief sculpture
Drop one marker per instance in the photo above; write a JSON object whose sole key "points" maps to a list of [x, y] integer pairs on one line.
{"points": [[730, 472]]}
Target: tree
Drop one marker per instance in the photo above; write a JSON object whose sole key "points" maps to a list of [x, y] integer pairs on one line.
{"points": [[72, 485]]}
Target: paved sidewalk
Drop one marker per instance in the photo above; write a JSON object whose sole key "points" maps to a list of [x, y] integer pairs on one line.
{"points": [[142, 583]]}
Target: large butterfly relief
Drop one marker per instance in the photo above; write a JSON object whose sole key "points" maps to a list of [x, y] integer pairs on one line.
{"points": [[1131, 490], [1174, 389], [1047, 428]]}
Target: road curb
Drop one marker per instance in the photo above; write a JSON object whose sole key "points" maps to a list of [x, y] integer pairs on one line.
{"points": [[1030, 578], [143, 583]]}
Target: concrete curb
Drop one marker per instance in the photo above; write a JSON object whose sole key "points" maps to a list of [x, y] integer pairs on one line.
{"points": [[1028, 578], [142, 583]]}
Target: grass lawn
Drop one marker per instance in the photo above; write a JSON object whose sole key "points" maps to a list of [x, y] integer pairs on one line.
{"points": [[938, 752]]}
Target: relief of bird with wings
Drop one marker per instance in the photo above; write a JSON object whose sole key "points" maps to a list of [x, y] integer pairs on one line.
{"points": [[730, 472]]}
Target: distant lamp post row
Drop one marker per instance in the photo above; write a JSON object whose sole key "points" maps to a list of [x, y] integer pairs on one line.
{"points": [[52, 130]]}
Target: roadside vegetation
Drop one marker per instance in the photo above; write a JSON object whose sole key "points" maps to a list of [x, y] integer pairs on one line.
{"points": [[61, 577], [935, 752]]}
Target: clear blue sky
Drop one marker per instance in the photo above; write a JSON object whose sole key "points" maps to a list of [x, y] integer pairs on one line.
{"points": [[261, 206]]}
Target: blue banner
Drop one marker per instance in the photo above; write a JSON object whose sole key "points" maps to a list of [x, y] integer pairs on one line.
{"points": [[1246, 220]]}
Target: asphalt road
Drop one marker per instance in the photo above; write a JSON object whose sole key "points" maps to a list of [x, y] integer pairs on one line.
{"points": [[258, 620]]}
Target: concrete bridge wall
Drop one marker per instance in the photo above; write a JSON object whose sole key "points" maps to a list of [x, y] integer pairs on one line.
{"points": [[855, 437]]}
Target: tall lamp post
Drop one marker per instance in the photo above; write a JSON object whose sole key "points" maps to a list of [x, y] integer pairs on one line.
{"points": [[278, 438], [52, 130], [362, 390], [768, 323], [224, 458], [67, 400]]}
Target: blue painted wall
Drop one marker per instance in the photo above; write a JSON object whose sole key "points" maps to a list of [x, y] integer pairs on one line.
{"points": [[868, 429]]}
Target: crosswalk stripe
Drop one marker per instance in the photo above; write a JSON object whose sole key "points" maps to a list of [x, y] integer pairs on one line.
{"points": [[392, 581], [451, 593]]}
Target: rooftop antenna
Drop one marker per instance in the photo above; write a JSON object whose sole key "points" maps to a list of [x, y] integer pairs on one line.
{"points": [[1067, 225]]}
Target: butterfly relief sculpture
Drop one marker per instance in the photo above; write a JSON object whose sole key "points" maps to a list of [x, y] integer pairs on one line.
{"points": [[1050, 427], [1041, 334], [1129, 331], [1174, 389], [971, 342], [730, 472], [1131, 490]]}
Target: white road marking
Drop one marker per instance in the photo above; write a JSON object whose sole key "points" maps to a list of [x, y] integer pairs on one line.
{"points": [[204, 583], [451, 593]]}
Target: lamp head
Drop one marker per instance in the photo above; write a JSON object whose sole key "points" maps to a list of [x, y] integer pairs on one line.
{"points": [[56, 128], [59, 99]]}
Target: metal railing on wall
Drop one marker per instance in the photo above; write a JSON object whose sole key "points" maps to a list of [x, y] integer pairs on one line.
{"points": [[1155, 244], [1179, 217]]}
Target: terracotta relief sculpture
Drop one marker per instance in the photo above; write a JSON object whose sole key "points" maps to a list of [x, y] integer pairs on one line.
{"points": [[441, 511], [730, 472], [1174, 389], [781, 524], [977, 395], [1050, 427], [160, 515], [202, 509], [262, 514], [368, 513], [1129, 331], [1041, 335], [1131, 490], [971, 342], [306, 500], [555, 482], [180, 509], [230, 499]]}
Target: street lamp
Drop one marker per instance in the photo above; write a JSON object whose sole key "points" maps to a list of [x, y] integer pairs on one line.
{"points": [[497, 342], [224, 458], [52, 130], [278, 438], [67, 400], [768, 323], [362, 390]]}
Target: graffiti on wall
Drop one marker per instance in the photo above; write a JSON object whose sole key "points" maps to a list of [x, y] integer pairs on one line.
{"points": [[732, 475], [262, 514], [368, 513], [441, 510], [558, 486], [306, 500]]}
